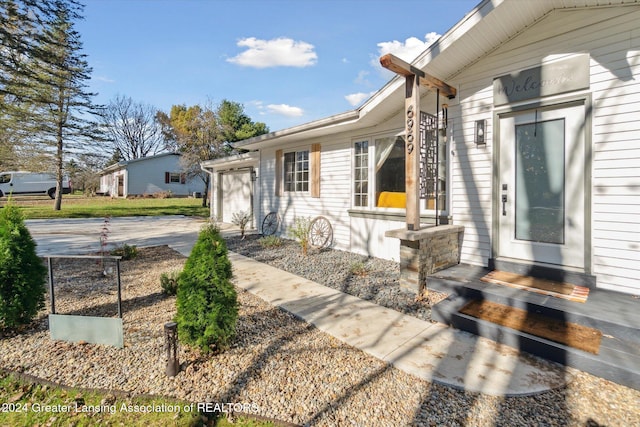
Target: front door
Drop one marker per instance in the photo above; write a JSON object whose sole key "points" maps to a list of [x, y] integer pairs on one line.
{"points": [[541, 195]]}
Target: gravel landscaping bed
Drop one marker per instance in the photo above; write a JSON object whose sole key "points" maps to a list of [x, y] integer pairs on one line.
{"points": [[278, 366], [372, 279]]}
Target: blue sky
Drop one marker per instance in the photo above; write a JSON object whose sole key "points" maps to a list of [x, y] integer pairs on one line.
{"points": [[288, 62]]}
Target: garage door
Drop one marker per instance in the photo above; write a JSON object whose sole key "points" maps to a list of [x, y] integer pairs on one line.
{"points": [[236, 193]]}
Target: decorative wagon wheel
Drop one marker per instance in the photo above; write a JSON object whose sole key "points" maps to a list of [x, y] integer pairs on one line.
{"points": [[320, 233], [270, 224]]}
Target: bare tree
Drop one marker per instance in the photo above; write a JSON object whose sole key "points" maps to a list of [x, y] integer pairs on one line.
{"points": [[132, 128]]}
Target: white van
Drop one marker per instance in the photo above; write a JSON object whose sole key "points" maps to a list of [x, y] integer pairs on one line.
{"points": [[31, 183]]}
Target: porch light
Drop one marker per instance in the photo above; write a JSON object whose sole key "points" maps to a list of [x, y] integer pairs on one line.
{"points": [[445, 119], [254, 176], [479, 134]]}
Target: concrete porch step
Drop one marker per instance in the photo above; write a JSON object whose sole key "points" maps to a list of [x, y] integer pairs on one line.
{"points": [[619, 356]]}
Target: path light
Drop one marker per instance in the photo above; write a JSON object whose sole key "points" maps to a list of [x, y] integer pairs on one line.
{"points": [[171, 338]]}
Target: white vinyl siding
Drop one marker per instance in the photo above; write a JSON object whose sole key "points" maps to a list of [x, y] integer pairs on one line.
{"points": [[336, 197], [612, 38]]}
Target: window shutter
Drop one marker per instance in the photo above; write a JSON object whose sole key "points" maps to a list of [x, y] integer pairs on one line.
{"points": [[183, 178], [279, 177], [314, 163], [167, 177]]}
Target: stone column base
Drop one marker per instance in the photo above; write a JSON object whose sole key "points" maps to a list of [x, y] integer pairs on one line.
{"points": [[425, 251]]}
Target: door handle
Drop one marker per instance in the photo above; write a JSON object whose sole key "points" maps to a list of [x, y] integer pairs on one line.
{"points": [[504, 205]]}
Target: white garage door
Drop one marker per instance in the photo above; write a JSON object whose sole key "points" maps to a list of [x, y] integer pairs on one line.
{"points": [[236, 193]]}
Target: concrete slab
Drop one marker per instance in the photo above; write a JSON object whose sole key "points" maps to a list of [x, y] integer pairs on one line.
{"points": [[472, 363], [81, 236]]}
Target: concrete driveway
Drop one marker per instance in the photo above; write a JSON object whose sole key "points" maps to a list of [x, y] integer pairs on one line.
{"points": [[82, 236]]}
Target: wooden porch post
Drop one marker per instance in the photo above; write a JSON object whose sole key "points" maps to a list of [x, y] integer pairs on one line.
{"points": [[412, 147], [414, 78]]}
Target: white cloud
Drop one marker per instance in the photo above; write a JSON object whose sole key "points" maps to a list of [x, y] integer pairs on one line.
{"points": [[357, 98], [104, 79], [285, 110], [362, 78], [258, 105], [407, 50], [280, 52]]}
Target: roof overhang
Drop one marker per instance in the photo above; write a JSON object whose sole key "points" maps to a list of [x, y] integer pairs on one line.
{"points": [[238, 161]]}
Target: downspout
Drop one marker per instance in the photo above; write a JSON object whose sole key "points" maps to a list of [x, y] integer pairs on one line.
{"points": [[252, 179], [437, 177]]}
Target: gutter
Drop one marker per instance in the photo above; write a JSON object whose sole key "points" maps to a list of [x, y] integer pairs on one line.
{"points": [[328, 121]]}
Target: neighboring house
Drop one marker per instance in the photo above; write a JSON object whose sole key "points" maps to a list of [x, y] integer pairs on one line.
{"points": [[538, 151], [148, 176]]}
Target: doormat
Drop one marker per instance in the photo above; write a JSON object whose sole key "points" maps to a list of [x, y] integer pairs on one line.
{"points": [[562, 290], [567, 333]]}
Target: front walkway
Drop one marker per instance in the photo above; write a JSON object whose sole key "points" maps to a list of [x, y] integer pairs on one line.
{"points": [[431, 351]]}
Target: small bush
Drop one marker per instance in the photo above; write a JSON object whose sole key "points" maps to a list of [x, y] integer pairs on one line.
{"points": [[163, 194], [300, 232], [22, 273], [272, 241], [127, 252], [241, 219], [207, 304], [358, 268], [169, 282]]}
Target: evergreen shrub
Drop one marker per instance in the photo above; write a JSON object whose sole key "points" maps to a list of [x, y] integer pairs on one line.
{"points": [[22, 273], [207, 304]]}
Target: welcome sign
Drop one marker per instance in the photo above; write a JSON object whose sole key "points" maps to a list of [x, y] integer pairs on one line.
{"points": [[554, 78]]}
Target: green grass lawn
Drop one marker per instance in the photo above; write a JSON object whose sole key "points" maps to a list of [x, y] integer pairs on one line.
{"points": [[27, 404], [34, 207]]}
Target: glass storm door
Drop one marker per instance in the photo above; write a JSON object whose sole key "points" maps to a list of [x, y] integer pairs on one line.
{"points": [[541, 194]]}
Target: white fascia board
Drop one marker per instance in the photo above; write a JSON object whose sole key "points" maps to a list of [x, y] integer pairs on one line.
{"points": [[231, 162], [317, 128]]}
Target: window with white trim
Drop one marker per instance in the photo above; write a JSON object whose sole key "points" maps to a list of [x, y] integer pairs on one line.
{"points": [[379, 179], [361, 173], [174, 178], [390, 172], [296, 171]]}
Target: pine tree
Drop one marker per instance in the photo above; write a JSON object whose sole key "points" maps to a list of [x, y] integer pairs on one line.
{"points": [[43, 80], [21, 34], [63, 103]]}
